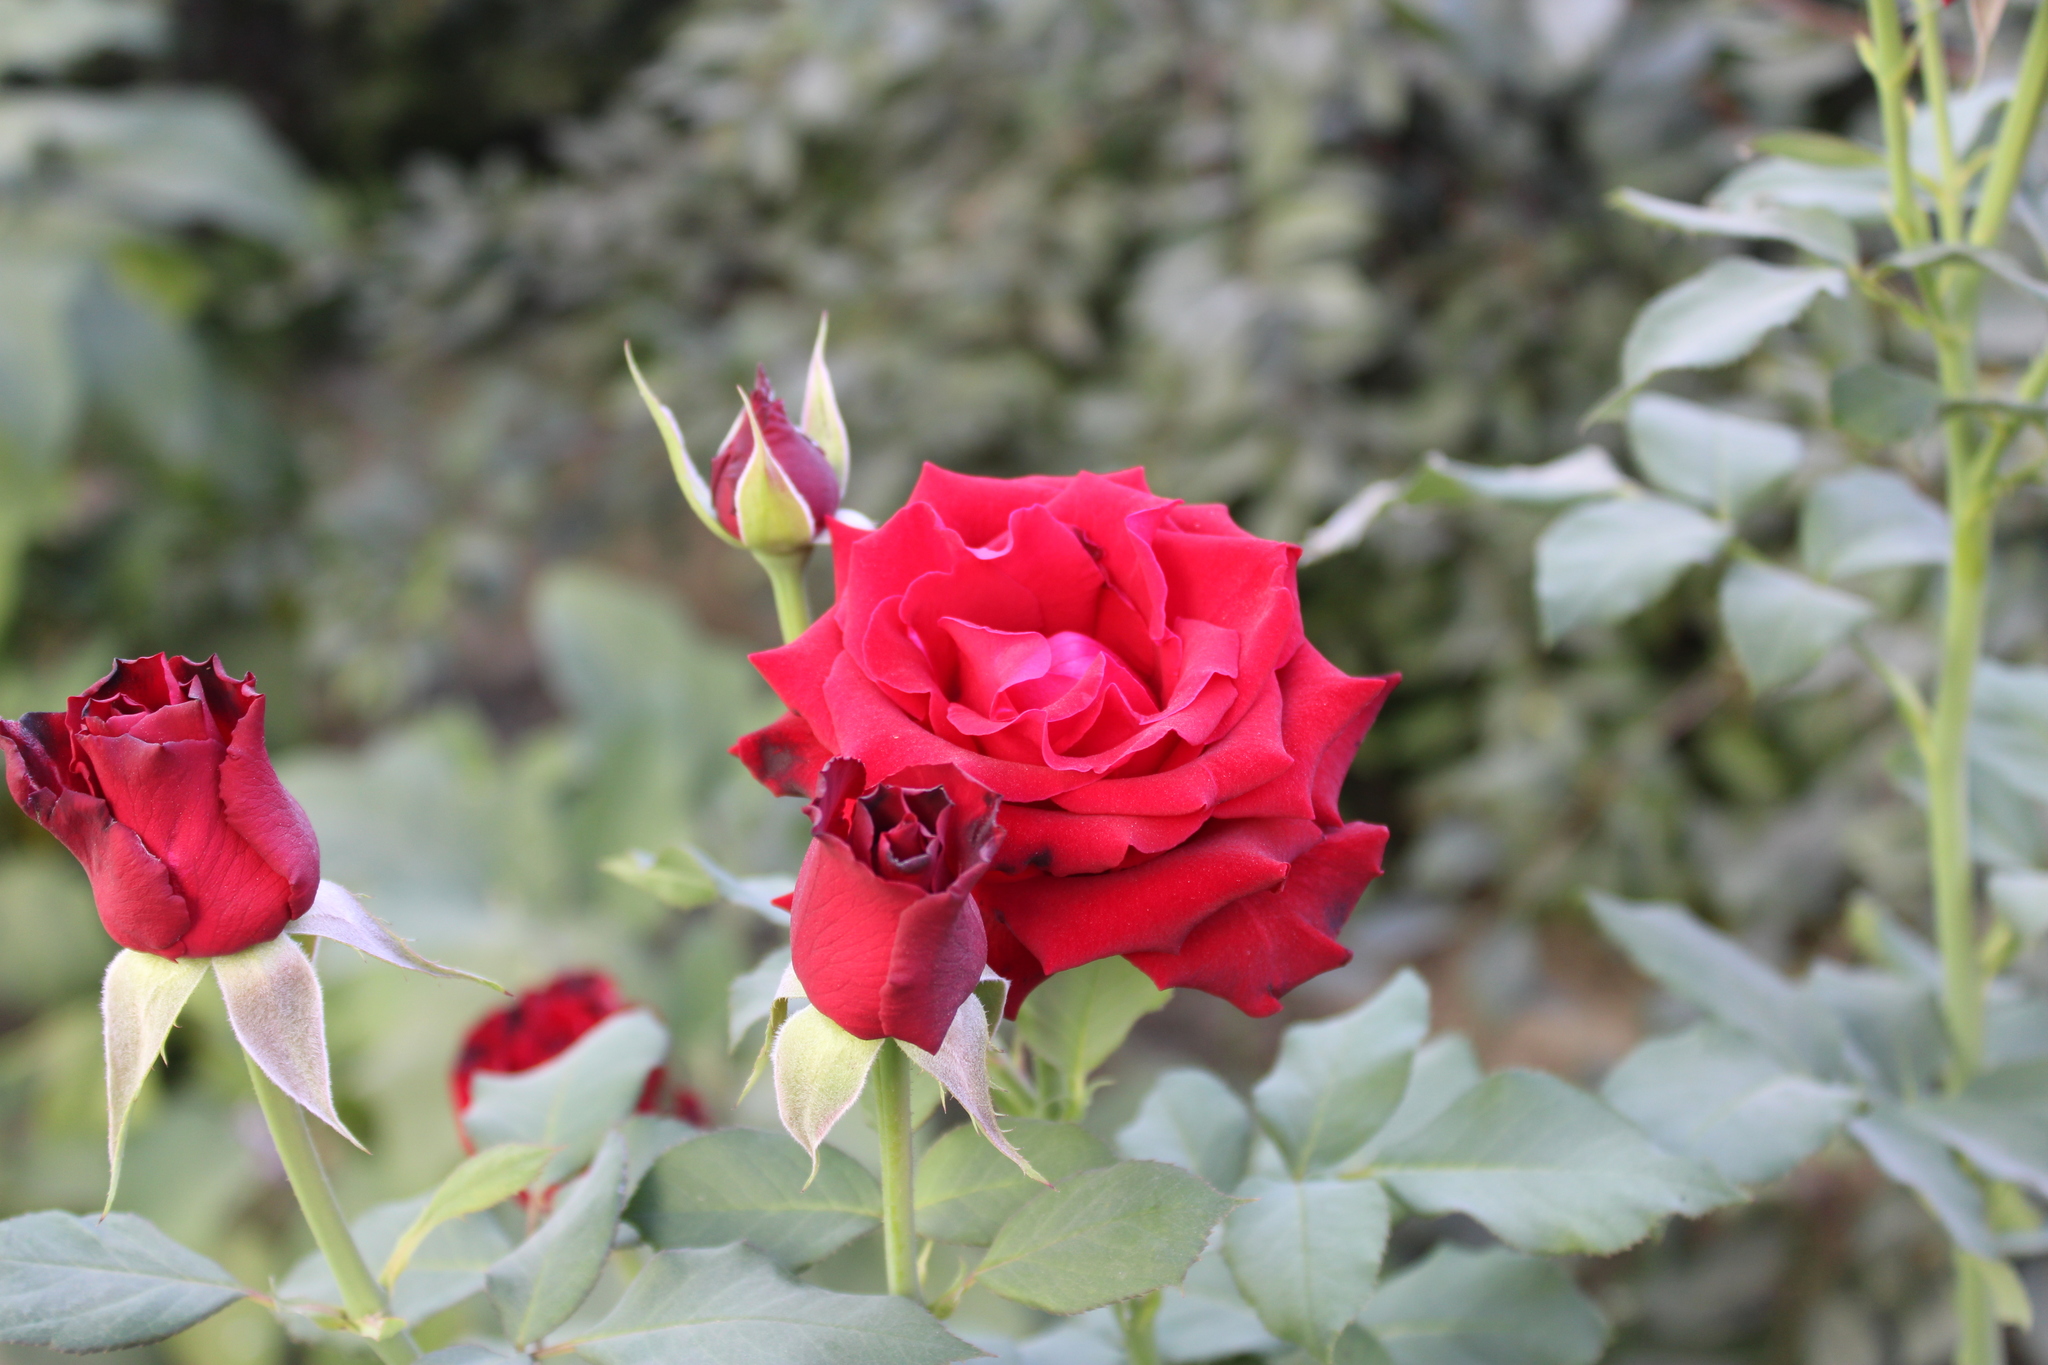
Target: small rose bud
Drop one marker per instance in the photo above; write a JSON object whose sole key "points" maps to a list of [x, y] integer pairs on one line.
{"points": [[772, 488]]}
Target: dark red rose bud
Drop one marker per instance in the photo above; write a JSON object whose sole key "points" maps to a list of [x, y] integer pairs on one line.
{"points": [[884, 931], [801, 460], [157, 781], [541, 1024]]}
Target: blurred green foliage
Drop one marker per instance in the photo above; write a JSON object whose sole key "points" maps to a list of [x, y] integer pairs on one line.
{"points": [[311, 356]]}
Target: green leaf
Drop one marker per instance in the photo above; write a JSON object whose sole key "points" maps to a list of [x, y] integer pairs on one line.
{"points": [[447, 1268], [38, 36], [1080, 1016], [1999, 1121], [1547, 1167], [1882, 403], [1463, 1307], [570, 1102], [1356, 1346], [1818, 149], [732, 1306], [753, 993], [1337, 1080], [1861, 194], [1867, 520], [489, 1178], [1190, 1118], [141, 996], [757, 894], [1711, 1094], [2021, 899], [1307, 1254], [545, 1278], [2009, 726], [1445, 1068], [1606, 561], [740, 1184], [1781, 624], [1716, 460], [274, 1006], [1815, 231], [99, 1284], [1916, 1159], [1102, 1236], [966, 1188], [1710, 970], [472, 1353], [1892, 1024], [1589, 472], [672, 876], [1720, 315]]}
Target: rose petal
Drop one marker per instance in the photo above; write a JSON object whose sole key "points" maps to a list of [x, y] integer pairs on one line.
{"points": [[785, 757], [1253, 951], [1066, 921], [260, 810], [1325, 714]]}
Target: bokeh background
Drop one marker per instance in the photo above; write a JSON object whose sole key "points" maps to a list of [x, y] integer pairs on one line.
{"points": [[311, 316]]}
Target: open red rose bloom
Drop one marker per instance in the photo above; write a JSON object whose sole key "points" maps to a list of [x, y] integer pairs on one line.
{"points": [[157, 780], [543, 1023], [1129, 675]]}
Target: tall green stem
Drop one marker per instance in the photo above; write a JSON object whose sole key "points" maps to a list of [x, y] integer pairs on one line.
{"points": [[1889, 66], [360, 1294], [2015, 136], [1948, 777], [792, 603], [891, 1080]]}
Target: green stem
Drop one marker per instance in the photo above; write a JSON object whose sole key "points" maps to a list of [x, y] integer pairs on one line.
{"points": [[2015, 136], [1979, 1341], [1137, 1317], [1889, 64], [360, 1294], [792, 603], [1948, 779], [1934, 83], [891, 1080]]}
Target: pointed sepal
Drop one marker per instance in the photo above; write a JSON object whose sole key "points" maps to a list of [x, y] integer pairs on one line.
{"points": [[821, 420], [140, 998], [772, 515], [274, 1007], [961, 1066], [820, 1070], [695, 490], [335, 914]]}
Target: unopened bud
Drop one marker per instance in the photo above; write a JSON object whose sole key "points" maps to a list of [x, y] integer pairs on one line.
{"points": [[772, 488]]}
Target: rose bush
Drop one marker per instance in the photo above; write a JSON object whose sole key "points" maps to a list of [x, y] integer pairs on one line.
{"points": [[884, 931], [157, 780], [1128, 673], [540, 1025]]}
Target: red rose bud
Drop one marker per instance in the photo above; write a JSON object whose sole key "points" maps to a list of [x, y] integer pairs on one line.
{"points": [[884, 932], [541, 1024], [157, 781], [1129, 674], [772, 486]]}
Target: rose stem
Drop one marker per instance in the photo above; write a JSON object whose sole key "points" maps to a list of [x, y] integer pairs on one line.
{"points": [[360, 1294], [792, 604], [1141, 1345], [892, 1126]]}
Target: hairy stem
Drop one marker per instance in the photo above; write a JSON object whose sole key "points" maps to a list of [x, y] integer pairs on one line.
{"points": [[891, 1079], [792, 602], [360, 1294]]}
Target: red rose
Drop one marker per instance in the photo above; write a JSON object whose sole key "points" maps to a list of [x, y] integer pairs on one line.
{"points": [[1129, 675], [883, 929], [157, 781], [539, 1025], [800, 460]]}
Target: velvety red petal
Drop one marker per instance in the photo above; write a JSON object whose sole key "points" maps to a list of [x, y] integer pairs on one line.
{"points": [[1326, 713], [1010, 960], [1253, 951], [798, 669], [979, 508], [845, 535], [785, 757], [1066, 921], [880, 958], [266, 816], [1254, 752], [37, 749], [130, 887], [169, 794], [1063, 844]]}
